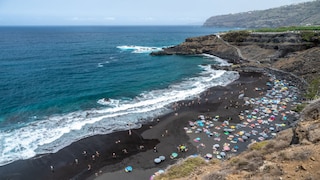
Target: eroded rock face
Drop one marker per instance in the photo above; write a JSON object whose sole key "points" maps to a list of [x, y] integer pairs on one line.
{"points": [[209, 44], [308, 129], [236, 47], [311, 112]]}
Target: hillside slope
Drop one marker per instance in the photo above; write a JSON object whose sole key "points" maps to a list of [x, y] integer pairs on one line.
{"points": [[293, 15]]}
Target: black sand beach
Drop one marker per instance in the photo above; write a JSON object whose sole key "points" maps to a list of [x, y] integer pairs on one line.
{"points": [[137, 149]]}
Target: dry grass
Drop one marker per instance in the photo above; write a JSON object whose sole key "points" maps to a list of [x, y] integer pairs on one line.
{"points": [[182, 169], [221, 175], [250, 161], [258, 145], [295, 155]]}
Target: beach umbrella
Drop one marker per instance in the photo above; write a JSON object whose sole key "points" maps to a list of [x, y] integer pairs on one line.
{"points": [[161, 171], [162, 158], [128, 169], [226, 148], [236, 147], [219, 156], [157, 160], [226, 133], [272, 117], [216, 146], [208, 155], [247, 134], [197, 139], [223, 154], [174, 155], [244, 137], [228, 130], [152, 177]]}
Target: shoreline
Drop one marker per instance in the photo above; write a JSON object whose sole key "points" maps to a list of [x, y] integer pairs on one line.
{"points": [[108, 167]]}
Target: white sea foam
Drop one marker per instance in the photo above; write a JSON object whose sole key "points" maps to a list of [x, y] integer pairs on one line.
{"points": [[139, 49], [217, 59], [55, 132]]}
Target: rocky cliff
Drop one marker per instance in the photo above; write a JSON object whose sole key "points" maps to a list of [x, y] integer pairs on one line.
{"points": [[288, 51]]}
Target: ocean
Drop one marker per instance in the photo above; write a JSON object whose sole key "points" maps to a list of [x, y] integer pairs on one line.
{"points": [[61, 84]]}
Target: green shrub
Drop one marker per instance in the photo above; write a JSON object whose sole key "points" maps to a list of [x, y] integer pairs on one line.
{"points": [[298, 108], [258, 145], [313, 89], [236, 36], [308, 35], [289, 28]]}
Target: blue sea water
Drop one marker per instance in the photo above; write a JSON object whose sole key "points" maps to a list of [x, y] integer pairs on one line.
{"points": [[61, 84]]}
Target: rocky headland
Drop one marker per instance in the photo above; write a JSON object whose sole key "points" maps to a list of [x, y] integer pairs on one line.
{"points": [[294, 153], [295, 52]]}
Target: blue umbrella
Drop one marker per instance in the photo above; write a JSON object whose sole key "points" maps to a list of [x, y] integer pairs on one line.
{"points": [[128, 169], [162, 158], [157, 160], [222, 154], [174, 155]]}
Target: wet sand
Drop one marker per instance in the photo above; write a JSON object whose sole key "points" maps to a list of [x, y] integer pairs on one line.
{"points": [[166, 134]]}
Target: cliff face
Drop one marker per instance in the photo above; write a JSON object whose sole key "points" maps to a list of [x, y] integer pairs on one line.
{"points": [[293, 15], [288, 51]]}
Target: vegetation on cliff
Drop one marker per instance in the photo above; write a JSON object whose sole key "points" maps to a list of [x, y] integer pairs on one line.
{"points": [[294, 15]]}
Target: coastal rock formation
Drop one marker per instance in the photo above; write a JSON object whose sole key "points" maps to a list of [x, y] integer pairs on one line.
{"points": [[210, 44], [287, 51]]}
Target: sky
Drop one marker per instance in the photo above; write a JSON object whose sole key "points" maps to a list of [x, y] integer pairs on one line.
{"points": [[125, 12]]}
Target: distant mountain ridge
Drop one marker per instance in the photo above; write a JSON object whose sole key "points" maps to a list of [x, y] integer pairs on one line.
{"points": [[307, 13]]}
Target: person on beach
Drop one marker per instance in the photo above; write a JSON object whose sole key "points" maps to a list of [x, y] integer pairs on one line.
{"points": [[97, 154], [125, 151], [155, 149], [76, 161], [114, 155], [85, 154], [52, 168]]}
